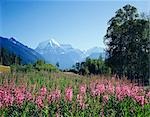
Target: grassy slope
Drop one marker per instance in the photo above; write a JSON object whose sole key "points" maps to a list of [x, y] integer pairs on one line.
{"points": [[4, 68], [35, 80], [39, 79]]}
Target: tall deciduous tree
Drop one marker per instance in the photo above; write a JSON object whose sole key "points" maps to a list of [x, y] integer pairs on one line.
{"points": [[127, 39]]}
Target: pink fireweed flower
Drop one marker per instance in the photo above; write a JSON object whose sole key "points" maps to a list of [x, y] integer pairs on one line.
{"points": [[82, 89], [135, 90], [43, 91], [110, 88], [126, 90], [118, 89], [105, 98], [93, 92], [49, 98], [80, 100], [69, 94], [120, 97], [139, 99], [148, 95], [39, 101], [1, 94], [57, 94], [119, 93], [100, 88], [19, 95], [92, 88], [20, 98], [28, 96], [54, 96], [8, 98]]}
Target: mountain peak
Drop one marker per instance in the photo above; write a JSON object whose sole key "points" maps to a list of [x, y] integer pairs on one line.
{"points": [[13, 40], [49, 43], [53, 42]]}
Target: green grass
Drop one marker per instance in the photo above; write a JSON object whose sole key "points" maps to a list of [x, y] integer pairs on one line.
{"points": [[35, 80], [39, 79]]}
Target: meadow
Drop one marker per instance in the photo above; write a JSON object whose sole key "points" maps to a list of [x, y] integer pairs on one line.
{"points": [[58, 94], [4, 69]]}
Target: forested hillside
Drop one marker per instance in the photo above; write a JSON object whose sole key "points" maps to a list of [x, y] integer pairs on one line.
{"points": [[8, 58]]}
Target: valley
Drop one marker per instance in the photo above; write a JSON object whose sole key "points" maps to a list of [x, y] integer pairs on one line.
{"points": [[102, 71]]}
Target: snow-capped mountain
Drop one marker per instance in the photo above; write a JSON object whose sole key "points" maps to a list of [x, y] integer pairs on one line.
{"points": [[95, 52], [49, 43], [27, 55], [51, 51], [65, 54]]}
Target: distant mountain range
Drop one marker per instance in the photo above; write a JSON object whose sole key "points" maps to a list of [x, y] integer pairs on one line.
{"points": [[65, 54], [27, 54], [51, 51]]}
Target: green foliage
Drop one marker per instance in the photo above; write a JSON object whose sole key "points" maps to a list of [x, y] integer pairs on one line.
{"points": [[42, 66], [125, 108], [39, 65], [7, 58], [92, 66], [113, 108], [25, 110], [128, 42]]}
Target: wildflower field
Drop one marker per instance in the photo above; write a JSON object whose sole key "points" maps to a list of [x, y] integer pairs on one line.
{"points": [[43, 94]]}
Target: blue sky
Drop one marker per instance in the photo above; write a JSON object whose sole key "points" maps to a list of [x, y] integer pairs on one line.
{"points": [[82, 24]]}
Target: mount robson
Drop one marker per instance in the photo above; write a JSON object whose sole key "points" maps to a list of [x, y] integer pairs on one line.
{"points": [[51, 51]]}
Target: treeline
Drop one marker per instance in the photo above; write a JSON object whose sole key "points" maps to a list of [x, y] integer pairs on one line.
{"points": [[8, 58], [39, 65], [128, 44], [91, 66]]}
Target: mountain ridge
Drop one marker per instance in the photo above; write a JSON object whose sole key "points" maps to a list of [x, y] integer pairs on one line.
{"points": [[65, 54], [28, 55], [51, 51]]}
